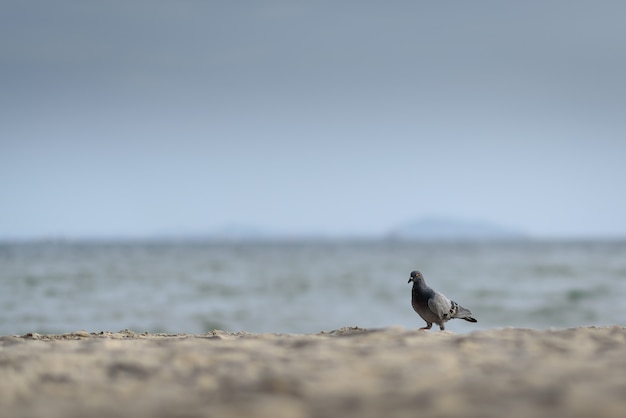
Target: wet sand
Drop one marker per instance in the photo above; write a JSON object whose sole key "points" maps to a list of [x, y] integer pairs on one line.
{"points": [[351, 372]]}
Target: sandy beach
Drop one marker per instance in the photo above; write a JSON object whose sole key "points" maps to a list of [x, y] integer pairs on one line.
{"points": [[354, 372]]}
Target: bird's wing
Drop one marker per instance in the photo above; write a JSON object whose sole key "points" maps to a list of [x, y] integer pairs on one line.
{"points": [[440, 305]]}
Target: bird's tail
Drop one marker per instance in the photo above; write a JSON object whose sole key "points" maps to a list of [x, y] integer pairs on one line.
{"points": [[463, 313]]}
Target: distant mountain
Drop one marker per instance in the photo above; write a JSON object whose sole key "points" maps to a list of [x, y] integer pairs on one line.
{"points": [[443, 229]]}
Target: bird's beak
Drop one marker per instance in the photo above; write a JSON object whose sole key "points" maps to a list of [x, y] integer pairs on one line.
{"points": [[410, 280]]}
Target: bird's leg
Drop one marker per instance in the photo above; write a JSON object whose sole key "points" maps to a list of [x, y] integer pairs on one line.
{"points": [[428, 325]]}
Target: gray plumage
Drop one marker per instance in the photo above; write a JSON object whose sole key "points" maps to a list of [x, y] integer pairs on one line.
{"points": [[434, 307]]}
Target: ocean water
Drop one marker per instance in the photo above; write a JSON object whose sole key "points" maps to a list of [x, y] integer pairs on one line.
{"points": [[303, 287]]}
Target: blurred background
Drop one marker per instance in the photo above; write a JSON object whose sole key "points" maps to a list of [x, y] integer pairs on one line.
{"points": [[282, 166]]}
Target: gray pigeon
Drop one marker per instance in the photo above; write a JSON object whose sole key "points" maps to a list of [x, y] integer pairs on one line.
{"points": [[433, 306]]}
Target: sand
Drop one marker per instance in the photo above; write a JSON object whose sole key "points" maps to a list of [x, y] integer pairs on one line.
{"points": [[351, 372]]}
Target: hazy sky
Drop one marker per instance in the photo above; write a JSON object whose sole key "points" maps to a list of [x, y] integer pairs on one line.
{"points": [[149, 117]]}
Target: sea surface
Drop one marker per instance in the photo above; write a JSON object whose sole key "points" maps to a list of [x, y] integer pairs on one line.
{"points": [[304, 287]]}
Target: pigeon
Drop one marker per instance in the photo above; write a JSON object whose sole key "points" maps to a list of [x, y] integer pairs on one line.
{"points": [[434, 307]]}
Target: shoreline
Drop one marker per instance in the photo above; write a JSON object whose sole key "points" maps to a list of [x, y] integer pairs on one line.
{"points": [[393, 372]]}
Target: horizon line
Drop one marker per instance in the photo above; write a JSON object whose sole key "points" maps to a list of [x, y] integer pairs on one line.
{"points": [[303, 237]]}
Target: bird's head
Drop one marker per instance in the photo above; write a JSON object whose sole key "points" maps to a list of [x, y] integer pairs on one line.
{"points": [[415, 275]]}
